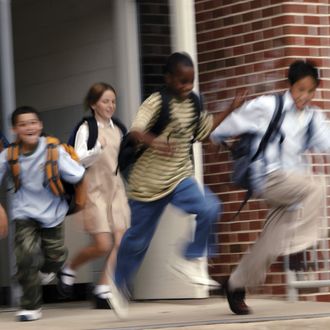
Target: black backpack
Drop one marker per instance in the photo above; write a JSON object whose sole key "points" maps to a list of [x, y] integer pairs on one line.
{"points": [[130, 150], [244, 156], [93, 130], [3, 142]]}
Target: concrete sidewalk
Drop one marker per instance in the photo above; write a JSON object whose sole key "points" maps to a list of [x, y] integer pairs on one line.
{"points": [[200, 314]]}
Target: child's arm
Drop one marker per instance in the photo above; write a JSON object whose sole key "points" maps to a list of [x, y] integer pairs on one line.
{"points": [[81, 195], [237, 102], [148, 139], [87, 157], [3, 222], [319, 140]]}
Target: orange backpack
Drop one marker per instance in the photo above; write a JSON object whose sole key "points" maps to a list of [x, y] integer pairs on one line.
{"points": [[75, 194]]}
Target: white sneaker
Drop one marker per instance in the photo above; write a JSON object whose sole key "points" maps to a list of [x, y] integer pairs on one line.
{"points": [[187, 269], [194, 271], [207, 279], [118, 302], [46, 278], [29, 315]]}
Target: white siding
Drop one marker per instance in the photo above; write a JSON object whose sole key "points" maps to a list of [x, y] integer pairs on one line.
{"points": [[61, 48]]}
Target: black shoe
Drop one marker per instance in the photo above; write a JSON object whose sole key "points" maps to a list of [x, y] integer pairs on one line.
{"points": [[236, 301], [65, 290], [100, 303]]}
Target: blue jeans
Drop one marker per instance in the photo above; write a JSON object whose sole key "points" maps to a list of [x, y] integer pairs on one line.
{"points": [[188, 197]]}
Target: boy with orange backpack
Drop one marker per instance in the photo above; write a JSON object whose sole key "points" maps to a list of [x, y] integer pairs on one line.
{"points": [[38, 212]]}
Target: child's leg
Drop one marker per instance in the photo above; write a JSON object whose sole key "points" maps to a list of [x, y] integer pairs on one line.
{"points": [[28, 262], [284, 230], [188, 197], [53, 248], [137, 238]]}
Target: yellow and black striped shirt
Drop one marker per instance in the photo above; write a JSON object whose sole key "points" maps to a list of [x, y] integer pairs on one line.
{"points": [[154, 176]]}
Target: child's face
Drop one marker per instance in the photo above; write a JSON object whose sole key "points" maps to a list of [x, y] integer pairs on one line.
{"points": [[28, 129], [105, 107], [181, 82], [303, 91]]}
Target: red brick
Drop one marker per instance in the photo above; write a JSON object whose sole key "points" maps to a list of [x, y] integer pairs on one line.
{"points": [[253, 46]]}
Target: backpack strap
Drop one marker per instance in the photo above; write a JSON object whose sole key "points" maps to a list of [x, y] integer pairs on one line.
{"points": [[13, 152], [120, 125], [92, 132], [72, 137], [164, 113], [309, 132], [273, 126], [128, 145], [198, 106], [164, 116], [64, 189], [51, 167], [3, 142]]}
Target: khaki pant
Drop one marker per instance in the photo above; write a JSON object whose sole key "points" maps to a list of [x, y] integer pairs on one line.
{"points": [[293, 224], [36, 249]]}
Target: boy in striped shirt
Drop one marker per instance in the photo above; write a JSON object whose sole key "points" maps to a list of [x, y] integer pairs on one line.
{"points": [[163, 174]]}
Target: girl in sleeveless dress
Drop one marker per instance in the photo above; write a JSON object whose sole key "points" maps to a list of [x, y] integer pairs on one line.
{"points": [[106, 215]]}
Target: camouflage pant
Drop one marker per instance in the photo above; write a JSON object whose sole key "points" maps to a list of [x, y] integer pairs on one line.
{"points": [[36, 249]]}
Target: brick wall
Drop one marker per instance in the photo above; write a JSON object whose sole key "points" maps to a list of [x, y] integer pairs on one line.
{"points": [[155, 42], [251, 44]]}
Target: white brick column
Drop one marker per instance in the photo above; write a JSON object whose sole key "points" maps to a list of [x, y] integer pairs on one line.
{"points": [[7, 80], [7, 105], [154, 279], [127, 59], [183, 34]]}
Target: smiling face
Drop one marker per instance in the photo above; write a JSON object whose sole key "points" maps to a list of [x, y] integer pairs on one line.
{"points": [[181, 81], [105, 106], [28, 128], [303, 91]]}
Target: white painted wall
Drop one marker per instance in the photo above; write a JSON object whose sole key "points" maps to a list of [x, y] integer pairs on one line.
{"points": [[61, 48]]}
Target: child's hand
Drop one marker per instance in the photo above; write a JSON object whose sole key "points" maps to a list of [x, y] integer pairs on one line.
{"points": [[239, 99], [213, 148], [160, 145], [163, 148], [237, 102], [3, 223]]}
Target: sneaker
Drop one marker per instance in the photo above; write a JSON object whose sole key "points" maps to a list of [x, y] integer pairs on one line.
{"points": [[210, 282], [194, 271], [236, 300], [28, 315], [101, 303], [46, 278], [65, 290], [118, 302]]}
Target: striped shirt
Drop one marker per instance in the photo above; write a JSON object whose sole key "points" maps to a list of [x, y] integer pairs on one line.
{"points": [[154, 176]]}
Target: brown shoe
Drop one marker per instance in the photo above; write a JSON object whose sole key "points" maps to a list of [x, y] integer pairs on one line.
{"points": [[236, 301]]}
